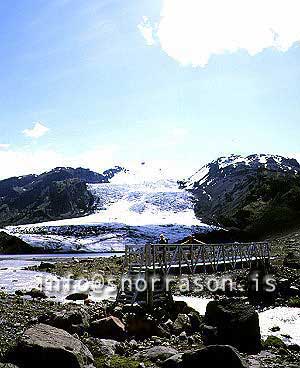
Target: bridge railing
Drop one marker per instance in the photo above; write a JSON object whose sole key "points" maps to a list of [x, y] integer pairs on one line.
{"points": [[193, 258]]}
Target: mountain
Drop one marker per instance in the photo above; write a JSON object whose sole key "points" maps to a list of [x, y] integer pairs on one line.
{"points": [[57, 194], [258, 194], [10, 244]]}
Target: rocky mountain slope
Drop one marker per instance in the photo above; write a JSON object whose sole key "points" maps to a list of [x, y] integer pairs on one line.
{"points": [[10, 244], [258, 194], [57, 194]]}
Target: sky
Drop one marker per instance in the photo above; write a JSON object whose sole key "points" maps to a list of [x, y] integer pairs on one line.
{"points": [[176, 83]]}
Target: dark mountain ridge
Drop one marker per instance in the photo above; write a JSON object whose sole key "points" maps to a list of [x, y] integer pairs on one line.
{"points": [[258, 194], [57, 194]]}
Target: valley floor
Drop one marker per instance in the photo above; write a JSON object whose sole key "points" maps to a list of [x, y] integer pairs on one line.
{"points": [[18, 312]]}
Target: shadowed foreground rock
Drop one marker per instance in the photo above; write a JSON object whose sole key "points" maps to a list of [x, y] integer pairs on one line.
{"points": [[234, 323], [157, 353], [46, 346], [108, 328], [72, 321], [213, 356]]}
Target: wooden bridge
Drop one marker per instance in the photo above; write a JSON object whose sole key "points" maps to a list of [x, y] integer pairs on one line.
{"points": [[196, 258], [157, 260]]}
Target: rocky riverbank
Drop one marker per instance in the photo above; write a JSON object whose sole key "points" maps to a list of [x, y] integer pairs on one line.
{"points": [[38, 333], [89, 269]]}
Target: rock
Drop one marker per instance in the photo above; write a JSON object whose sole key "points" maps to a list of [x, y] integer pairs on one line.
{"points": [[182, 324], [157, 353], [7, 365], [294, 347], [133, 344], [77, 296], [108, 328], [183, 336], [294, 291], [19, 293], [101, 347], [36, 294], [191, 340], [237, 324], [72, 321], [213, 356], [46, 266], [174, 361], [143, 327], [275, 329], [196, 320], [46, 346], [292, 261], [258, 287], [209, 335]]}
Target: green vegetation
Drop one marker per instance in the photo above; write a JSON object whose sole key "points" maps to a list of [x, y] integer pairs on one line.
{"points": [[116, 361], [273, 342], [294, 302], [272, 204]]}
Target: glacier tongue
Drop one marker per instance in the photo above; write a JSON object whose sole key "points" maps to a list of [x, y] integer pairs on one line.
{"points": [[132, 209]]}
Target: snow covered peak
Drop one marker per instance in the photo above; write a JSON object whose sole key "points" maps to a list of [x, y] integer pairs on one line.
{"points": [[235, 162], [259, 160]]}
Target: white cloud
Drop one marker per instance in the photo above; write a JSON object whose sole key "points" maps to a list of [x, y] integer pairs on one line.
{"points": [[4, 146], [37, 131], [27, 161], [191, 31], [147, 31]]}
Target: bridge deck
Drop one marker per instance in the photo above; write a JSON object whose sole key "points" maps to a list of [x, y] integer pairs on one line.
{"points": [[196, 258], [184, 259]]}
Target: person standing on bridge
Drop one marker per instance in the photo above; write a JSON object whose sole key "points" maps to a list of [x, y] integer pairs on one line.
{"points": [[163, 239]]}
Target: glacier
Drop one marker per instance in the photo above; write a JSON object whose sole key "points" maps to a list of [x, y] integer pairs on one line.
{"points": [[134, 208]]}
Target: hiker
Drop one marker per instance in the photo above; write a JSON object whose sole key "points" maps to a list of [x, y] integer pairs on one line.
{"points": [[163, 239]]}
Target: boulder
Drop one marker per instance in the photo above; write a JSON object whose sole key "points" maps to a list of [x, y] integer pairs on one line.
{"points": [[144, 327], [46, 266], [237, 324], [77, 296], [108, 328], [258, 287], [292, 260], [36, 294], [213, 356], [196, 320], [182, 324], [175, 361], [72, 321], [157, 353], [101, 347], [46, 346], [209, 334]]}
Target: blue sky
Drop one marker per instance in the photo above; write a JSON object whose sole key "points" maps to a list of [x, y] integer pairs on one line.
{"points": [[108, 86]]}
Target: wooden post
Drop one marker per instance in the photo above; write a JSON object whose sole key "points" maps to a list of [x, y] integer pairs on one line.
{"points": [[223, 255], [180, 254]]}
